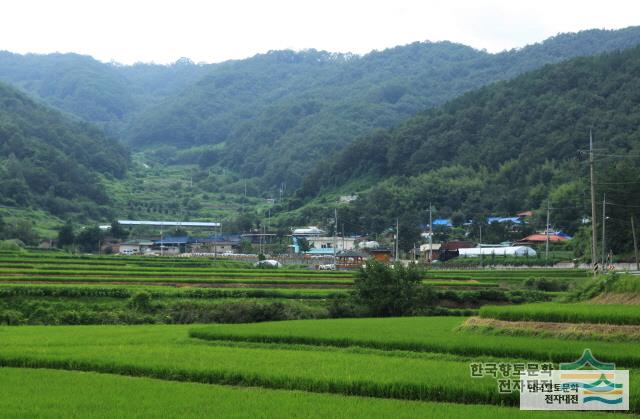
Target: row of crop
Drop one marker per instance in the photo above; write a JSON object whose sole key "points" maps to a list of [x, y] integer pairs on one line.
{"points": [[503, 275], [170, 280], [517, 272], [158, 398], [157, 262], [421, 334], [162, 352], [622, 314], [126, 292], [271, 273], [144, 352], [43, 270]]}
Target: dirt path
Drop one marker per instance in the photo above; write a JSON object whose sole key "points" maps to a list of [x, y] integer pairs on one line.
{"points": [[560, 329], [617, 298]]}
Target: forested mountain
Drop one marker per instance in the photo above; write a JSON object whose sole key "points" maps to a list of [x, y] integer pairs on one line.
{"points": [[274, 115], [503, 148], [102, 93], [51, 162]]}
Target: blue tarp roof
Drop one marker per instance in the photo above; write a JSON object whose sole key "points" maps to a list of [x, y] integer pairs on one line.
{"points": [[215, 238], [563, 234], [443, 222], [173, 240]]}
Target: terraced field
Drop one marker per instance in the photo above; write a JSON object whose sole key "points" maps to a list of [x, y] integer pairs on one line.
{"points": [[622, 314], [108, 344], [43, 392], [172, 353]]}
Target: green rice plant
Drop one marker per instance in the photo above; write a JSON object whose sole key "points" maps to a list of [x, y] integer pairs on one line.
{"points": [[159, 291], [566, 313], [421, 334], [165, 352], [166, 280], [37, 392]]}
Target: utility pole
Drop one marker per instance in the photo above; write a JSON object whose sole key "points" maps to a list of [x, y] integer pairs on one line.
{"points": [[161, 242], [546, 250], [430, 235], [397, 238], [594, 260], [335, 230], [635, 243], [480, 246], [269, 220], [604, 203]]}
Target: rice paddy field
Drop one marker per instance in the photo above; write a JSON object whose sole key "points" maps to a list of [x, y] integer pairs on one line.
{"points": [[617, 314], [170, 337]]}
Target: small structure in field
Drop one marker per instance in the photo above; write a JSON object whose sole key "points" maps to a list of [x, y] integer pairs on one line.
{"points": [[381, 254], [349, 259]]}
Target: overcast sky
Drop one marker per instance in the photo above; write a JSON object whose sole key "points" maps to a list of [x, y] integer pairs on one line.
{"points": [[162, 31]]}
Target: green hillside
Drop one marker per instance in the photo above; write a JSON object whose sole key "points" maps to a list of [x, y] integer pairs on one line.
{"points": [[272, 116], [51, 162], [105, 94], [504, 148]]}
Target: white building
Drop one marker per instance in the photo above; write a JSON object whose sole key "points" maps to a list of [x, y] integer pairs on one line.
{"points": [[497, 251], [326, 242]]}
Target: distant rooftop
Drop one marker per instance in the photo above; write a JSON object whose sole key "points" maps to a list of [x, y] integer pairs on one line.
{"points": [[168, 223]]}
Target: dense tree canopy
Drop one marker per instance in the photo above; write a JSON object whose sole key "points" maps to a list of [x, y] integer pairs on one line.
{"points": [[49, 161], [274, 115], [507, 147]]}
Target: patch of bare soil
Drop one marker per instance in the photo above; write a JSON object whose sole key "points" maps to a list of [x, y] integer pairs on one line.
{"points": [[576, 330], [616, 298]]}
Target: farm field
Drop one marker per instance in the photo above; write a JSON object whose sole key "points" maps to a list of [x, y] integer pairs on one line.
{"points": [[567, 313], [420, 334], [42, 392], [169, 353], [121, 326]]}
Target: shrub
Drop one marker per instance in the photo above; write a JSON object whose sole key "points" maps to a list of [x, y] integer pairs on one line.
{"points": [[11, 317], [141, 301], [388, 292]]}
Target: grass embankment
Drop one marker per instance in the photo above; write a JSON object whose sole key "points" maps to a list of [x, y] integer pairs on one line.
{"points": [[423, 334], [566, 312], [573, 331], [51, 393]]}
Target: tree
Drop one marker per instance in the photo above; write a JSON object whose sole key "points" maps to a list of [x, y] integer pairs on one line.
{"points": [[385, 291], [304, 245], [117, 231], [66, 236], [89, 238], [23, 231], [245, 246]]}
